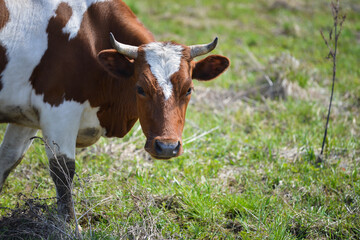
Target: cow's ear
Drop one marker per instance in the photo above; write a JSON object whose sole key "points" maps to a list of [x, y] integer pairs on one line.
{"points": [[210, 67], [115, 63]]}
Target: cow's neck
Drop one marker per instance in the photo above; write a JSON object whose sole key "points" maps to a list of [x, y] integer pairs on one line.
{"points": [[118, 111]]}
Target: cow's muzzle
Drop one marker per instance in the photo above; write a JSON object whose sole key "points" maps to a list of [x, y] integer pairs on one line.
{"points": [[167, 150], [163, 149]]}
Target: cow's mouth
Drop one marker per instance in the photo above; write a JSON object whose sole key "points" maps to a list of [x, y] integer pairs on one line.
{"points": [[160, 158]]}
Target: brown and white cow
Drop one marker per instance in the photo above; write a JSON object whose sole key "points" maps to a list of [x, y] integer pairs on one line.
{"points": [[60, 73]]}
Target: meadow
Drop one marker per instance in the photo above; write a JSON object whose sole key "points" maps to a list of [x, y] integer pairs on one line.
{"points": [[251, 138]]}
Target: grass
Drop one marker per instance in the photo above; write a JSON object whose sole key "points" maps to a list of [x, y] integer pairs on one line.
{"points": [[253, 175]]}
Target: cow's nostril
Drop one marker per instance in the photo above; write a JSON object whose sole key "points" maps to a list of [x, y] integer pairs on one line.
{"points": [[158, 147], [176, 150]]}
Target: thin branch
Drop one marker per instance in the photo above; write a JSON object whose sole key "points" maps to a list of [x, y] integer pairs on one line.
{"points": [[331, 51], [333, 54]]}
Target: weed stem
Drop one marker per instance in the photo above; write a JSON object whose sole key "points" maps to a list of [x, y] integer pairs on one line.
{"points": [[335, 10]]}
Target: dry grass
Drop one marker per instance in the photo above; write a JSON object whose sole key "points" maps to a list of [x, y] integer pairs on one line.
{"points": [[275, 83], [34, 218]]}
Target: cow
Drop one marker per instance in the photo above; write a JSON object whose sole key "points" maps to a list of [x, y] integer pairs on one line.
{"points": [[61, 73]]}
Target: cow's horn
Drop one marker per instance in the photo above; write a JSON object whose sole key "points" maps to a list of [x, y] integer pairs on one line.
{"points": [[198, 50], [127, 50]]}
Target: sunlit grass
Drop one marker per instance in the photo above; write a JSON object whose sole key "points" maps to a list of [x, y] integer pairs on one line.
{"points": [[253, 175]]}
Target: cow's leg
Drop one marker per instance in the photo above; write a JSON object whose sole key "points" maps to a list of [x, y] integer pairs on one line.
{"points": [[16, 141], [60, 126], [62, 170]]}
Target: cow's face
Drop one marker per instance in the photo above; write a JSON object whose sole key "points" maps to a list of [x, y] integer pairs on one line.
{"points": [[163, 73]]}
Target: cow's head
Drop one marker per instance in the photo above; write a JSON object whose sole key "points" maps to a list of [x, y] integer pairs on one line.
{"points": [[163, 72]]}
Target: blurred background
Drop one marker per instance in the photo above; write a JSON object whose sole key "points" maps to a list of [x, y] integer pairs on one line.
{"points": [[249, 169]]}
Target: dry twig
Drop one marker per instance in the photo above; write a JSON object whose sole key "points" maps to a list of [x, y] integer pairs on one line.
{"points": [[337, 28]]}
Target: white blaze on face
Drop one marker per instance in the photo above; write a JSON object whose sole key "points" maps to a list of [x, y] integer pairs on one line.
{"points": [[164, 60]]}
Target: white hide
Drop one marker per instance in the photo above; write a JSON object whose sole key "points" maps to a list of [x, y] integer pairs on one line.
{"points": [[79, 8], [59, 125], [164, 60], [25, 39]]}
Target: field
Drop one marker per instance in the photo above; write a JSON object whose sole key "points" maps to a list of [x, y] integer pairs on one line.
{"points": [[249, 170]]}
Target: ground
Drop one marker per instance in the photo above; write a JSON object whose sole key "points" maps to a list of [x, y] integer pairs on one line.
{"points": [[249, 169]]}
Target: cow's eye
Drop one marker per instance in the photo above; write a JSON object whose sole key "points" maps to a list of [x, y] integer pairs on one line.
{"points": [[140, 91], [189, 92]]}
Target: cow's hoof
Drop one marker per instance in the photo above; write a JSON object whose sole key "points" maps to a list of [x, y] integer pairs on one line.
{"points": [[66, 211]]}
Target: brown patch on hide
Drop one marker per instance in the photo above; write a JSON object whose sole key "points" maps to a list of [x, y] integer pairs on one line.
{"points": [[4, 14], [3, 62]]}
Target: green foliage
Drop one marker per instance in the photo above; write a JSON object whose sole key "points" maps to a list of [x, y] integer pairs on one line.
{"points": [[254, 174]]}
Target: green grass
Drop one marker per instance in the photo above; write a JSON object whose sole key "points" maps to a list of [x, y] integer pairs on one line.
{"points": [[254, 175]]}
